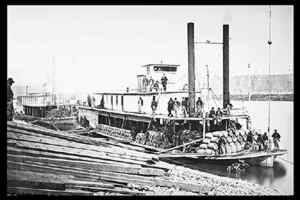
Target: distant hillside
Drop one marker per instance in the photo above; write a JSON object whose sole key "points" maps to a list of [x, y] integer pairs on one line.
{"points": [[280, 84], [259, 84], [239, 85]]}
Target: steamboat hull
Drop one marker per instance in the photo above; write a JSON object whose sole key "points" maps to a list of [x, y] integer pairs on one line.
{"points": [[253, 158]]}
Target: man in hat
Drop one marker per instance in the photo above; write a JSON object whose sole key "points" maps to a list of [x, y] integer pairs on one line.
{"points": [[276, 139], [164, 81], [10, 97]]}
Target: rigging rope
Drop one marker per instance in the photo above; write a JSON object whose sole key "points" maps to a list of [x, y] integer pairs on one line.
{"points": [[269, 70], [287, 161]]}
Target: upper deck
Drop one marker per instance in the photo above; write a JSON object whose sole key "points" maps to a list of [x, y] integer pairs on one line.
{"points": [[145, 116]]}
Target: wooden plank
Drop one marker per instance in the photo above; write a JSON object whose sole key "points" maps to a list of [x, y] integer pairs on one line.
{"points": [[115, 177], [67, 136], [13, 148], [75, 170], [44, 154], [48, 180], [183, 145], [71, 151], [36, 184], [58, 134], [81, 154], [112, 151], [89, 165], [24, 190]]}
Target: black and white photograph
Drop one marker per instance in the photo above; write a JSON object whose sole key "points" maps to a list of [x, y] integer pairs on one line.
{"points": [[150, 100]]}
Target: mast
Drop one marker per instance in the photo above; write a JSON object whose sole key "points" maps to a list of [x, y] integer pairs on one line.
{"points": [[269, 72], [207, 84], [249, 87], [226, 97], [191, 68], [207, 76]]}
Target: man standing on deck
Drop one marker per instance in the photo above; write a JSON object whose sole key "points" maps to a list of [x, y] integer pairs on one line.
{"points": [[199, 105], [89, 101], [265, 139], [156, 86], [176, 106], [153, 105], [184, 105], [221, 144], [276, 139], [260, 142], [170, 107], [151, 83], [249, 140], [10, 97], [140, 104], [164, 81]]}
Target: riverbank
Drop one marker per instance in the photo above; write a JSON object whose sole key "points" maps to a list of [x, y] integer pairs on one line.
{"points": [[210, 185], [43, 161]]}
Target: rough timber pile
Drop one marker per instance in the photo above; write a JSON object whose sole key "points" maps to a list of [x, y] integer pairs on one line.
{"points": [[43, 161]]}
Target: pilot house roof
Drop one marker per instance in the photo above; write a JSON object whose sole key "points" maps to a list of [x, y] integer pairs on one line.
{"points": [[160, 65]]}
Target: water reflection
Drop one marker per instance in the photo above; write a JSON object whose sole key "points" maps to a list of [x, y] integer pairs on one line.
{"points": [[256, 174]]}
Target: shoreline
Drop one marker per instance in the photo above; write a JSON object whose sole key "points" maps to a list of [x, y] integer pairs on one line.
{"points": [[218, 185], [263, 97]]}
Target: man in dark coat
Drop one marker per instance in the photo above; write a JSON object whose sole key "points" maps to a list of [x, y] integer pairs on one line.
{"points": [[170, 107], [212, 112], [276, 138], [164, 81], [260, 142], [10, 97], [221, 142], [199, 105], [184, 106], [265, 139], [156, 86], [89, 100], [153, 105]]}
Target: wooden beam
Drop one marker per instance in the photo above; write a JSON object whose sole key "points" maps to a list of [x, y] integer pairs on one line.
{"points": [[114, 151], [89, 165], [183, 145], [24, 190], [115, 177], [72, 151]]}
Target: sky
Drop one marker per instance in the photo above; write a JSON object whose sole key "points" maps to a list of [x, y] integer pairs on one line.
{"points": [[102, 48]]}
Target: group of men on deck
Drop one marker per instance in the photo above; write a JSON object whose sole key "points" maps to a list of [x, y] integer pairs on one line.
{"points": [[263, 140], [150, 84], [175, 106]]}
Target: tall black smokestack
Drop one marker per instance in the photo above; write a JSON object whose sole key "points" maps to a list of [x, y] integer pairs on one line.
{"points": [[226, 95], [191, 68]]}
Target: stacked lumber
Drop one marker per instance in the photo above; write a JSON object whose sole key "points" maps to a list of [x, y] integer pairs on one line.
{"points": [[43, 161]]}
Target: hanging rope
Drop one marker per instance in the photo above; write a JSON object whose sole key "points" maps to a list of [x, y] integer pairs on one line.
{"points": [[286, 161], [215, 99]]}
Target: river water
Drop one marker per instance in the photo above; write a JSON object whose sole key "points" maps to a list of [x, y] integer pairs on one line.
{"points": [[282, 119], [281, 176]]}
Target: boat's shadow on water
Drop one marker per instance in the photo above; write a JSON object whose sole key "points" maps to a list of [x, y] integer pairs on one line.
{"points": [[255, 174]]}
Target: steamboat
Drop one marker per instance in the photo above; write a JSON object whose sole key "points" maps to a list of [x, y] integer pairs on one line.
{"points": [[189, 132]]}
